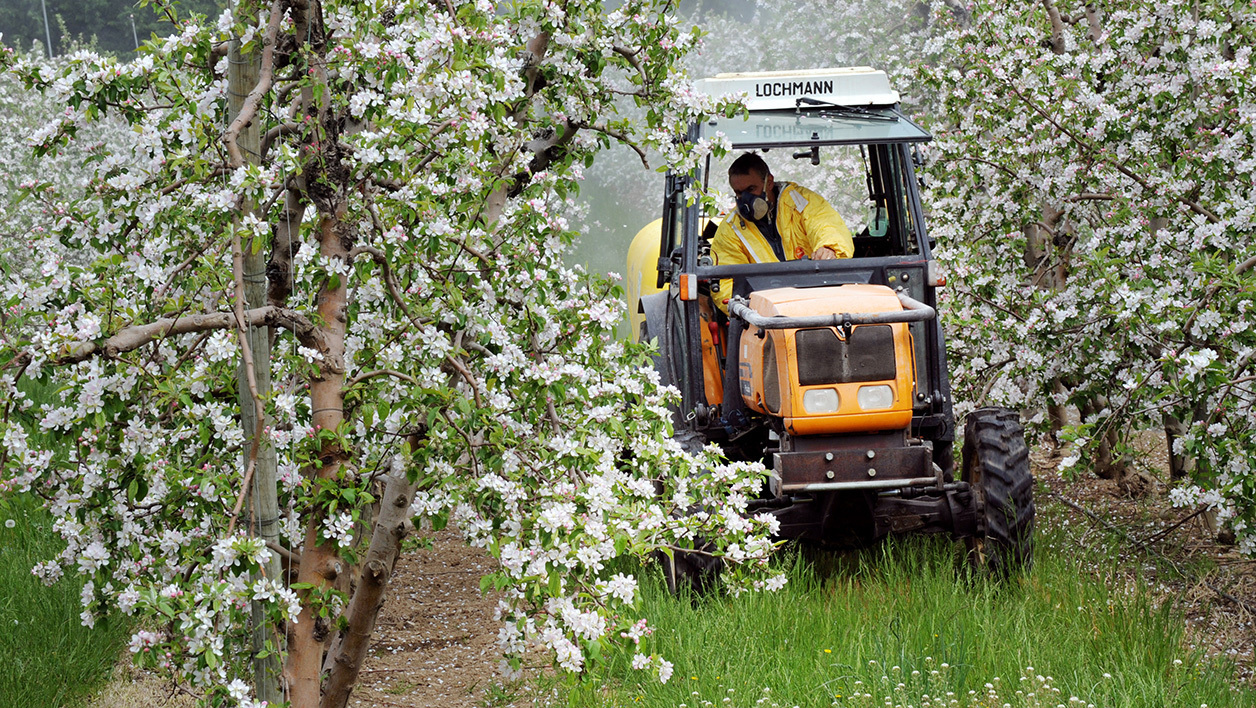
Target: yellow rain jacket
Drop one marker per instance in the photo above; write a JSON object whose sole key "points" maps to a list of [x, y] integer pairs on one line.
{"points": [[805, 221]]}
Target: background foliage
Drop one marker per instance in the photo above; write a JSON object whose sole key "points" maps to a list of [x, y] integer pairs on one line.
{"points": [[105, 24]]}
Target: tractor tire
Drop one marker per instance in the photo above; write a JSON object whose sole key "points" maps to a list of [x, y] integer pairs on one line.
{"points": [[996, 465], [690, 572]]}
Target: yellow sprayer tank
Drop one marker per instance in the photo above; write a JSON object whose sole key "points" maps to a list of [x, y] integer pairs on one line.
{"points": [[642, 278]]}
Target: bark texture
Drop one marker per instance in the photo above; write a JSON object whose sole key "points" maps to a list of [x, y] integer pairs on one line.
{"points": [[392, 525]]}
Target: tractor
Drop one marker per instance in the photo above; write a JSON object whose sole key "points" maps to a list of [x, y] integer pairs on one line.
{"points": [[840, 364]]}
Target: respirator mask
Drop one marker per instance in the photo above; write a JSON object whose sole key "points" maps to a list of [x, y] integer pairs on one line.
{"points": [[751, 206]]}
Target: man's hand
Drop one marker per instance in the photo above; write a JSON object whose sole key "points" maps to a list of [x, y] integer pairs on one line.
{"points": [[823, 253]]}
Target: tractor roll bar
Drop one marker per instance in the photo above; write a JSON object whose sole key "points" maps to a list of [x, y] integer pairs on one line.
{"points": [[913, 311]]}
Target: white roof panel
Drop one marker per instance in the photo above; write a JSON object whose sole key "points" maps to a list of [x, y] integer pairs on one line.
{"points": [[773, 90]]}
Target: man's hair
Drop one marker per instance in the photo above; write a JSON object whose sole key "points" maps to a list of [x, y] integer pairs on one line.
{"points": [[747, 163]]}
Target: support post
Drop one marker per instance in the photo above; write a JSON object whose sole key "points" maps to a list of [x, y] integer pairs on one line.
{"points": [[47, 29], [243, 74]]}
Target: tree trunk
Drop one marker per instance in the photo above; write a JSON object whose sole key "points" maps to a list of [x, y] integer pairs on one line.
{"points": [[1179, 465], [320, 563], [344, 661], [1057, 413], [1048, 273], [1106, 465]]}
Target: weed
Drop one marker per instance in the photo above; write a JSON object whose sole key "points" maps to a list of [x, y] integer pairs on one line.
{"points": [[399, 688]]}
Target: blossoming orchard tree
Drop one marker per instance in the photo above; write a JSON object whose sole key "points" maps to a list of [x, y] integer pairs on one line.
{"points": [[333, 254], [1093, 191]]}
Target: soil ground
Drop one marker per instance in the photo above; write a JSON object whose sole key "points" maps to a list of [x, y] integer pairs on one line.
{"points": [[436, 641], [435, 644]]}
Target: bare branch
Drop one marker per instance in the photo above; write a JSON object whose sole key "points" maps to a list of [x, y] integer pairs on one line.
{"points": [[380, 372], [131, 338], [1143, 548]]}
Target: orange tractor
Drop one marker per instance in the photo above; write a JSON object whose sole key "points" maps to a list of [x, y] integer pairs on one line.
{"points": [[839, 365]]}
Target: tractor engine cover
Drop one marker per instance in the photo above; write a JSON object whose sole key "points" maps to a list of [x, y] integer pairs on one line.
{"points": [[823, 380]]}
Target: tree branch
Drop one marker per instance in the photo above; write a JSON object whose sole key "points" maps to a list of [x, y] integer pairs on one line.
{"points": [[382, 260], [250, 373], [1208, 296], [380, 372], [622, 139], [1057, 27], [1097, 154], [275, 133], [1089, 197], [135, 336], [249, 110], [1094, 18]]}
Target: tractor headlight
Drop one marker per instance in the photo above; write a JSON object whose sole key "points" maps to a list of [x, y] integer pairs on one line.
{"points": [[875, 397], [820, 400]]}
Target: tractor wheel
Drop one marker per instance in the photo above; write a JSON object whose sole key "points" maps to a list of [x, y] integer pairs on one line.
{"points": [[996, 465], [696, 571], [690, 572]]}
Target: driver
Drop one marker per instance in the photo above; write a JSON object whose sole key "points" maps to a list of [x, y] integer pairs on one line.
{"points": [[774, 222]]}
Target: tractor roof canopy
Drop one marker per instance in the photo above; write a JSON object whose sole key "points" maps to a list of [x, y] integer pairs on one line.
{"points": [[814, 107]]}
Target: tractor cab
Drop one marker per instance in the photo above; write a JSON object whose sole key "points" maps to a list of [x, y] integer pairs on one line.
{"points": [[831, 372]]}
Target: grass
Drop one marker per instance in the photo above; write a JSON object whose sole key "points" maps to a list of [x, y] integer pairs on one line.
{"points": [[904, 625], [47, 658]]}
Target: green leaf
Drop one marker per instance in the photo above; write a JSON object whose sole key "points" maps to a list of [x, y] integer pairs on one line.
{"points": [[440, 521]]}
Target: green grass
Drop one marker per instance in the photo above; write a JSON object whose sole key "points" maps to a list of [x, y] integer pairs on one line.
{"points": [[851, 625], [47, 658]]}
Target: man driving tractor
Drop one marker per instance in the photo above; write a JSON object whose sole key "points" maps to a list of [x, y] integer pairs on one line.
{"points": [[776, 222], [773, 223]]}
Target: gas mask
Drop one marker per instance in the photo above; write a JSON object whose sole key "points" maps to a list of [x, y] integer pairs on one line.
{"points": [[753, 206]]}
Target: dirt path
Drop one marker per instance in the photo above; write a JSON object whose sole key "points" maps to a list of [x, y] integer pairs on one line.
{"points": [[436, 641], [435, 645]]}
